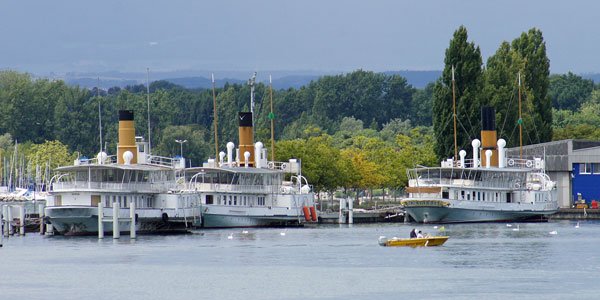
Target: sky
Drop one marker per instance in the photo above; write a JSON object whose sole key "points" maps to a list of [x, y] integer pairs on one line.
{"points": [[319, 35]]}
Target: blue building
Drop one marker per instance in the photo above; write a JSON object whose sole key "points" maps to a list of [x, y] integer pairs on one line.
{"points": [[573, 164]]}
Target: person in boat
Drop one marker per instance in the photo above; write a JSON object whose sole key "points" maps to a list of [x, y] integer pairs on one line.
{"points": [[420, 234], [413, 233]]}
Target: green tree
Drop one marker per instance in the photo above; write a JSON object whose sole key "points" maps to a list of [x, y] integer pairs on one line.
{"points": [[422, 102], [54, 152], [196, 150], [468, 74], [531, 48], [569, 91], [320, 160]]}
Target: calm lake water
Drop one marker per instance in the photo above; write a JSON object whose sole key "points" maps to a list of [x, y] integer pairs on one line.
{"points": [[479, 261]]}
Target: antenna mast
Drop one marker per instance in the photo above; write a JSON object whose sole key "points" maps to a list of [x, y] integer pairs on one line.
{"points": [[454, 116], [148, 92], [251, 83], [520, 119], [272, 116], [215, 117]]}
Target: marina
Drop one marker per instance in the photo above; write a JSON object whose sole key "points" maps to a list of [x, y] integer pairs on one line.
{"points": [[485, 260]]}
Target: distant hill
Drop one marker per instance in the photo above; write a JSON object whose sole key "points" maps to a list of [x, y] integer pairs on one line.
{"points": [[418, 79], [191, 80], [593, 76], [201, 82], [104, 83]]}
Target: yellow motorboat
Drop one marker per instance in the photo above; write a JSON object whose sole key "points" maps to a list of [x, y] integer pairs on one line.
{"points": [[414, 242]]}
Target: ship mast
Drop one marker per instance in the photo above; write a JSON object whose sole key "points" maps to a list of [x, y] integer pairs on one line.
{"points": [[272, 116], [520, 119], [99, 113], [215, 117], [454, 116], [148, 92]]}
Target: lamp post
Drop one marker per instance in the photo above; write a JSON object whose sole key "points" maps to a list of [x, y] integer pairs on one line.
{"points": [[181, 144]]}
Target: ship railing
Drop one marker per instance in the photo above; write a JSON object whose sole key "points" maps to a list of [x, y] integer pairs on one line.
{"points": [[467, 183], [219, 187], [510, 162], [524, 163], [266, 189], [140, 187], [111, 159], [163, 161]]}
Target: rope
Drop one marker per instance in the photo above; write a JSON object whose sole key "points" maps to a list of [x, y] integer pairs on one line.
{"points": [[461, 125], [512, 97]]}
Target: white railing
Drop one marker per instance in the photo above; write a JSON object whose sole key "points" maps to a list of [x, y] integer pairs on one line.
{"points": [[499, 184], [217, 187], [112, 159], [510, 162], [162, 161], [262, 189], [141, 187]]}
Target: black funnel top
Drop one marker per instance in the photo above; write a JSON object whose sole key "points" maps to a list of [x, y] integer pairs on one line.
{"points": [[126, 115], [245, 119], [488, 118]]}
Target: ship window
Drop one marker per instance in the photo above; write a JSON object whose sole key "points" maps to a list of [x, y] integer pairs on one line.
{"points": [[462, 195], [445, 195], [229, 200], [209, 199], [585, 168], [234, 200], [507, 197]]}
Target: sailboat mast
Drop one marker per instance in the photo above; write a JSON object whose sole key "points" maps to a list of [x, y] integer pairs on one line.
{"points": [[272, 116], [520, 119], [454, 116], [215, 117]]}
